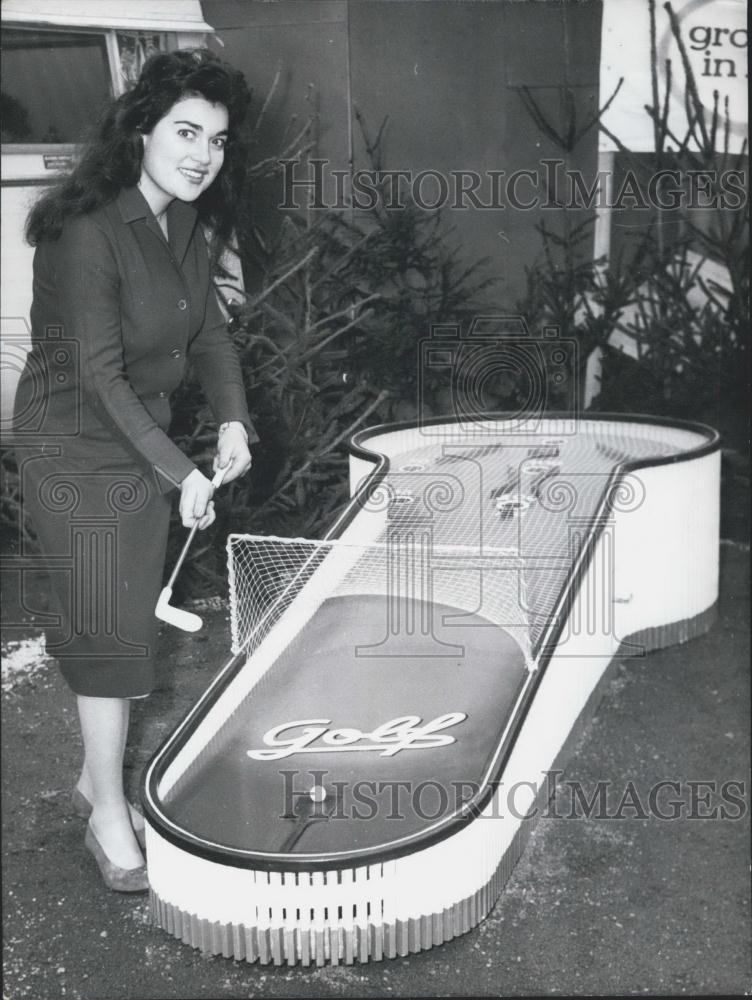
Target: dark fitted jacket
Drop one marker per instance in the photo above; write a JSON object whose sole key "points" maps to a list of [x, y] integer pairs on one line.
{"points": [[130, 309]]}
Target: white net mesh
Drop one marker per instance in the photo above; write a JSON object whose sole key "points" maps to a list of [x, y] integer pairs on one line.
{"points": [[272, 579]]}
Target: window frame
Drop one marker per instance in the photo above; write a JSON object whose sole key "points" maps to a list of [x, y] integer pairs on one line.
{"points": [[116, 83]]}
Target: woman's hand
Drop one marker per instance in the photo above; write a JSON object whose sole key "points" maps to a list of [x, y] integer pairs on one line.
{"points": [[196, 493], [232, 451]]}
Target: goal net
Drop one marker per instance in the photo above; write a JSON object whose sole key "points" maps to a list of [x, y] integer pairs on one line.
{"points": [[282, 582]]}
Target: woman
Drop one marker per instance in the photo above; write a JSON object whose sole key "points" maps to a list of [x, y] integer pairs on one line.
{"points": [[122, 298]]}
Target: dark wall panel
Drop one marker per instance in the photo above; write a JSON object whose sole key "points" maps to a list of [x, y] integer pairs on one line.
{"points": [[446, 73], [308, 41]]}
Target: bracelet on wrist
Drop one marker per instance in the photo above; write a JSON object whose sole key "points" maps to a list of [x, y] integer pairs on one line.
{"points": [[232, 423]]}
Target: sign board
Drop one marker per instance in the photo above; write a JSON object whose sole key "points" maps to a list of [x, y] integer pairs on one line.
{"points": [[714, 33]]}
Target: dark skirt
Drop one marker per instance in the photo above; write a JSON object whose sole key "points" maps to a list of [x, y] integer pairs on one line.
{"points": [[101, 524]]}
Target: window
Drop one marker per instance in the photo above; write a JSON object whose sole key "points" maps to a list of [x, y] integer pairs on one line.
{"points": [[53, 84]]}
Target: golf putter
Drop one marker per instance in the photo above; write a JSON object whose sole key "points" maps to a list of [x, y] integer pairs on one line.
{"points": [[185, 620]]}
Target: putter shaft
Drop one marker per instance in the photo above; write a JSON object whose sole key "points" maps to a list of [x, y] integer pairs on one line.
{"points": [[216, 481]]}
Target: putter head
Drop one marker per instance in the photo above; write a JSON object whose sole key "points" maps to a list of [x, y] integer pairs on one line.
{"points": [[184, 620]]}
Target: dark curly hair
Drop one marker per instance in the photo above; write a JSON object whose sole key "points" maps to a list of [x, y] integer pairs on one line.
{"points": [[111, 159]]}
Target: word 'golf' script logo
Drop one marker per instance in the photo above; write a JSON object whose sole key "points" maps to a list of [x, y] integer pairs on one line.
{"points": [[403, 733]]}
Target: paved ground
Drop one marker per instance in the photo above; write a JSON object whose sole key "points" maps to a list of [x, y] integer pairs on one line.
{"points": [[605, 905]]}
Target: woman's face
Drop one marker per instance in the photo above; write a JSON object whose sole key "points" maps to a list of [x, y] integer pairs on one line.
{"points": [[184, 152]]}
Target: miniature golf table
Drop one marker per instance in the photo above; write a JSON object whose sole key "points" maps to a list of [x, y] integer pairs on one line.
{"points": [[359, 779]]}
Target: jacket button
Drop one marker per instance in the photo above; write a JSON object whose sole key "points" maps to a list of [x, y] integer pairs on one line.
{"points": [[182, 304], [175, 353]]}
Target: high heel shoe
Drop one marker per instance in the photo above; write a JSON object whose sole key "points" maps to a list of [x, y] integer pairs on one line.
{"points": [[116, 878], [82, 808]]}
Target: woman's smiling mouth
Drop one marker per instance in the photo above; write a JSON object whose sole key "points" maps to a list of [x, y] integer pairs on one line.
{"points": [[195, 176]]}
